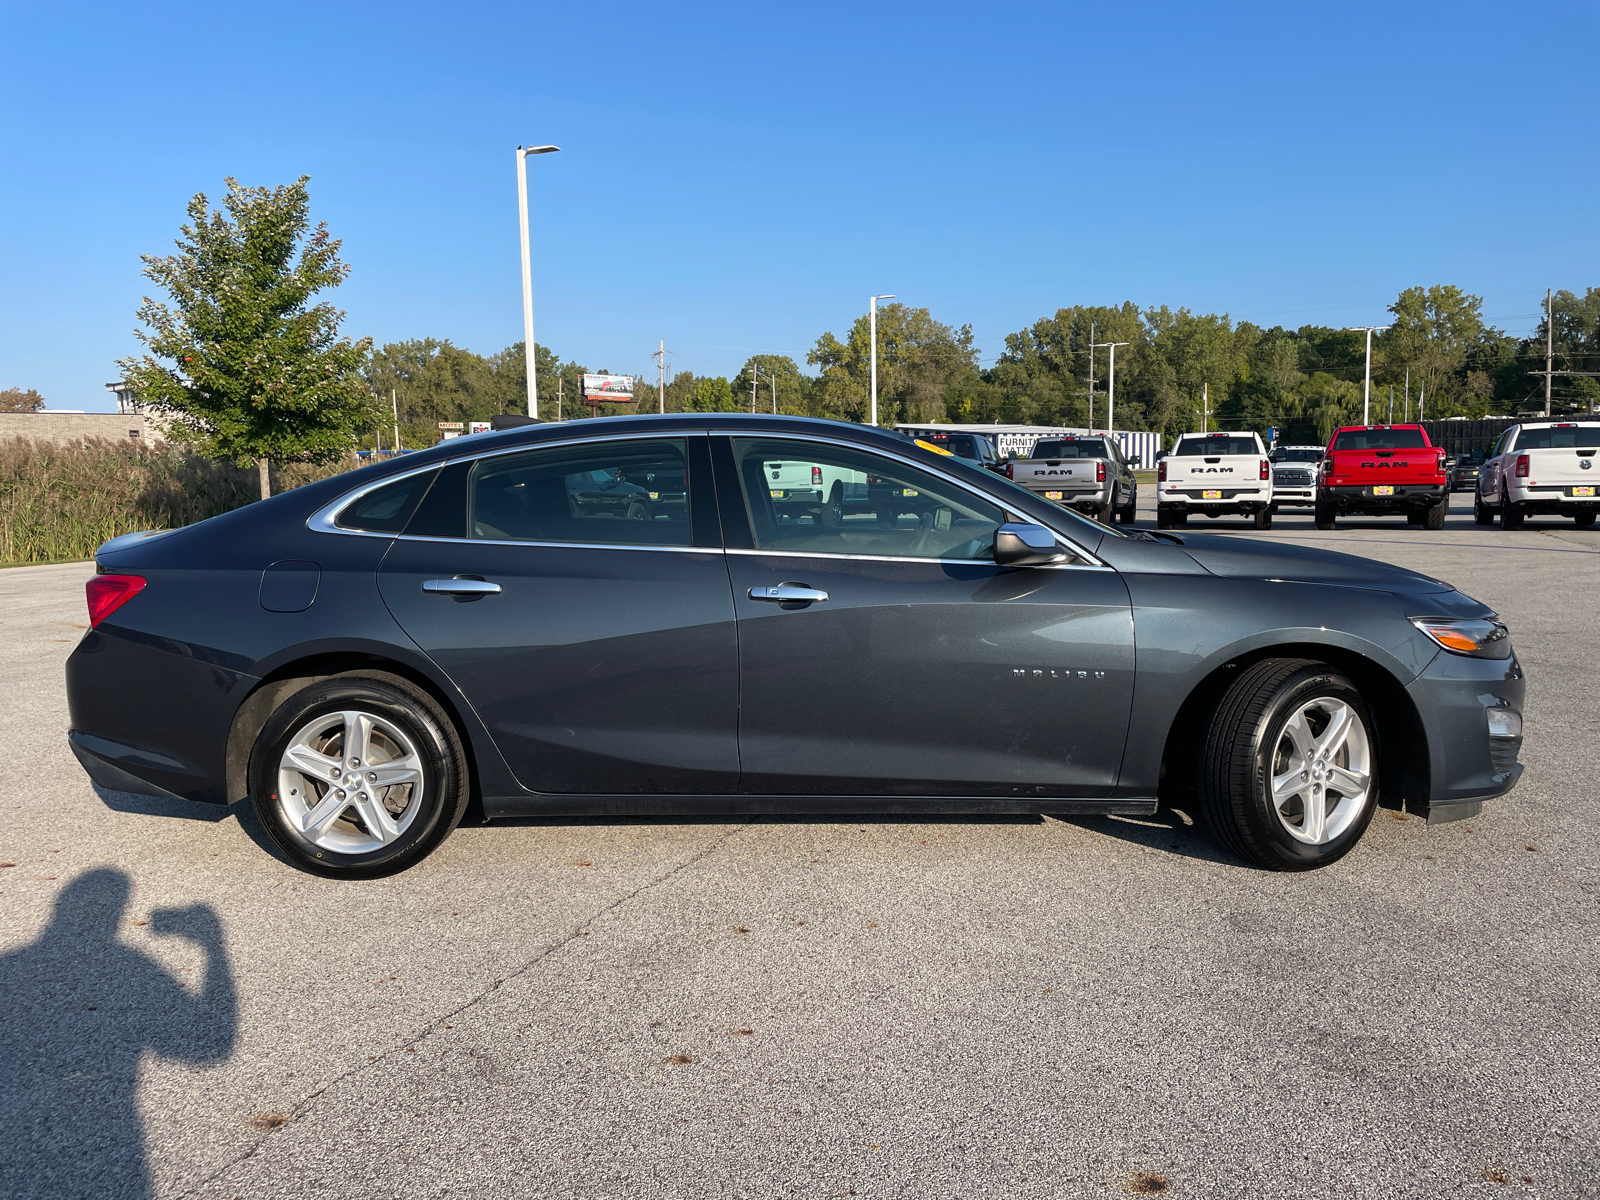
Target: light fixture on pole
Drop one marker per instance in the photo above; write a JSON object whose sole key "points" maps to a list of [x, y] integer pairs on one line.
{"points": [[527, 272], [1366, 389], [873, 302], [1111, 386]]}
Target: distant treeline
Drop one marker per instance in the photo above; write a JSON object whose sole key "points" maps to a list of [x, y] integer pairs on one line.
{"points": [[1438, 357]]}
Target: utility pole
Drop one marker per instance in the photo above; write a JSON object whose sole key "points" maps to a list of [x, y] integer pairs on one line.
{"points": [[1111, 388], [1366, 390], [1205, 408], [755, 378], [774, 378], [1408, 394], [394, 405], [873, 322], [1549, 346], [1422, 402], [1391, 404], [558, 399], [661, 379]]}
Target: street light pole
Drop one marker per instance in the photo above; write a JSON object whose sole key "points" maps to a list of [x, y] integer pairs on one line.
{"points": [[1111, 387], [527, 272], [873, 303], [1366, 390]]}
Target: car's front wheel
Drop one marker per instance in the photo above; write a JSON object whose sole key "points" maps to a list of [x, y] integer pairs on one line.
{"points": [[359, 776], [1288, 765]]}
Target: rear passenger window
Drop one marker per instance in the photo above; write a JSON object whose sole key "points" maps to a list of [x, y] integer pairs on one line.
{"points": [[609, 493], [388, 508]]}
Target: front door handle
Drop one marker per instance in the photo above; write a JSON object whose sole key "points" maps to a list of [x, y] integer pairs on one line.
{"points": [[460, 587], [789, 593]]}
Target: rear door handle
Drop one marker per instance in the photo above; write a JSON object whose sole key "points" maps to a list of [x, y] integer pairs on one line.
{"points": [[793, 593], [461, 587]]}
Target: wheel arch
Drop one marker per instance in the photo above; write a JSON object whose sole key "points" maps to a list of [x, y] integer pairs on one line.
{"points": [[1403, 762], [297, 673]]}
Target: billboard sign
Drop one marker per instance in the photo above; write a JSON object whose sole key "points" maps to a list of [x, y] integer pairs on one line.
{"points": [[456, 425], [477, 427], [615, 388]]}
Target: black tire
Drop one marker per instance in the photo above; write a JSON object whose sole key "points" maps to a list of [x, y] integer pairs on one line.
{"points": [[1237, 757], [1130, 513], [638, 510], [1263, 518], [1323, 515], [413, 712], [1434, 517], [1163, 517], [1583, 520], [1511, 516], [836, 501], [1180, 519], [1103, 512], [1482, 514]]}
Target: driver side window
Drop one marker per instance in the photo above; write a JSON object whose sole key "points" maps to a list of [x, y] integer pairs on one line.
{"points": [[816, 498]]}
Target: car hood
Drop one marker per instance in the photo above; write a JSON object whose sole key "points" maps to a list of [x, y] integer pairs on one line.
{"points": [[1238, 558]]}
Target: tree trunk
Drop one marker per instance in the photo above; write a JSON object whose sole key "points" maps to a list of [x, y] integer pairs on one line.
{"points": [[266, 479]]}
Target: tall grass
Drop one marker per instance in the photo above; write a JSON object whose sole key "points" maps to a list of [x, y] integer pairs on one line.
{"points": [[61, 502]]}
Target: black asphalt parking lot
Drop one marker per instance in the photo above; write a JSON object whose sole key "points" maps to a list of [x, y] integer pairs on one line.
{"points": [[813, 1008]]}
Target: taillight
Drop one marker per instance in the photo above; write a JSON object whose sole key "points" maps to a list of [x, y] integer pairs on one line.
{"points": [[1099, 472], [1161, 471], [816, 476], [1522, 466], [107, 593], [1009, 475], [1264, 474], [1441, 462]]}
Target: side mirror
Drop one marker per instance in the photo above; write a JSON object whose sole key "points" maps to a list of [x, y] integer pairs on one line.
{"points": [[1025, 545], [1134, 461]]}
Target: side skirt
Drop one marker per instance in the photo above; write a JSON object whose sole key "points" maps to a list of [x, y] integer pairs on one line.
{"points": [[504, 807]]}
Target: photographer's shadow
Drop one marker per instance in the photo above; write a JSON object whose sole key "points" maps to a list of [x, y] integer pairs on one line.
{"points": [[81, 1010]]}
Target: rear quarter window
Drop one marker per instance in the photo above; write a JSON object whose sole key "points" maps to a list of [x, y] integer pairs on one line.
{"points": [[388, 508]]}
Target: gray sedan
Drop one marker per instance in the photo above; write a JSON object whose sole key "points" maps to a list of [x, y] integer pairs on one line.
{"points": [[364, 655]]}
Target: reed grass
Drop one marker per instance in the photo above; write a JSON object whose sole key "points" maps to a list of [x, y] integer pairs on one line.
{"points": [[59, 503]]}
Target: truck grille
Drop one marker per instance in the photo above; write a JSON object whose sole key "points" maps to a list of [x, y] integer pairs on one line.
{"points": [[1292, 478]]}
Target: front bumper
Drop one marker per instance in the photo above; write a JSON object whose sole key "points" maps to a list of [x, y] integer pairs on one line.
{"points": [[1363, 498], [1294, 497], [1467, 766]]}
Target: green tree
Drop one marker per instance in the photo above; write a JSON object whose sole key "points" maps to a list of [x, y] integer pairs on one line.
{"points": [[765, 369], [1432, 337], [712, 395], [920, 362], [258, 371]]}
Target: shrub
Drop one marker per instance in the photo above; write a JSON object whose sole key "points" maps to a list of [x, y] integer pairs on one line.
{"points": [[59, 503]]}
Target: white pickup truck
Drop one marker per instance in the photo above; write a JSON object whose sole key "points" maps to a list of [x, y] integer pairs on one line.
{"points": [[1084, 472], [1214, 474], [1544, 467]]}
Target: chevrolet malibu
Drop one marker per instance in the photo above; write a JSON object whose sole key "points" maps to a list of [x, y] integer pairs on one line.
{"points": [[364, 657]]}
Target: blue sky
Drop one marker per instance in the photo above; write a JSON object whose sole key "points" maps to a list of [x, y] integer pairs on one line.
{"points": [[737, 179]]}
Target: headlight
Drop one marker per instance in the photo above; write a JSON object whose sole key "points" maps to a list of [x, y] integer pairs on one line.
{"points": [[1479, 638]]}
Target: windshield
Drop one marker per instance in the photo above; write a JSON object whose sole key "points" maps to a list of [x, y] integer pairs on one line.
{"points": [[1380, 439], [1069, 448], [960, 444], [1216, 444], [1569, 437], [1297, 454]]}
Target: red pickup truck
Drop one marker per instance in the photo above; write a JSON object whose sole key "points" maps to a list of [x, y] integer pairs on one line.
{"points": [[1380, 471]]}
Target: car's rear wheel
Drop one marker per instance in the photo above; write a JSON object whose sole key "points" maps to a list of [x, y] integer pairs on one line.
{"points": [[1510, 514], [1102, 513], [1323, 514], [1130, 511], [1263, 518], [359, 776], [1583, 520], [1288, 765], [1434, 517], [1482, 514]]}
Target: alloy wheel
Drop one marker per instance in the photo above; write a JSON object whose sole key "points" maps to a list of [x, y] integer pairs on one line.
{"points": [[350, 782], [1321, 771]]}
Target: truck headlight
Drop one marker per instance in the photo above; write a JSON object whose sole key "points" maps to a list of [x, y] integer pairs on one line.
{"points": [[1477, 638]]}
